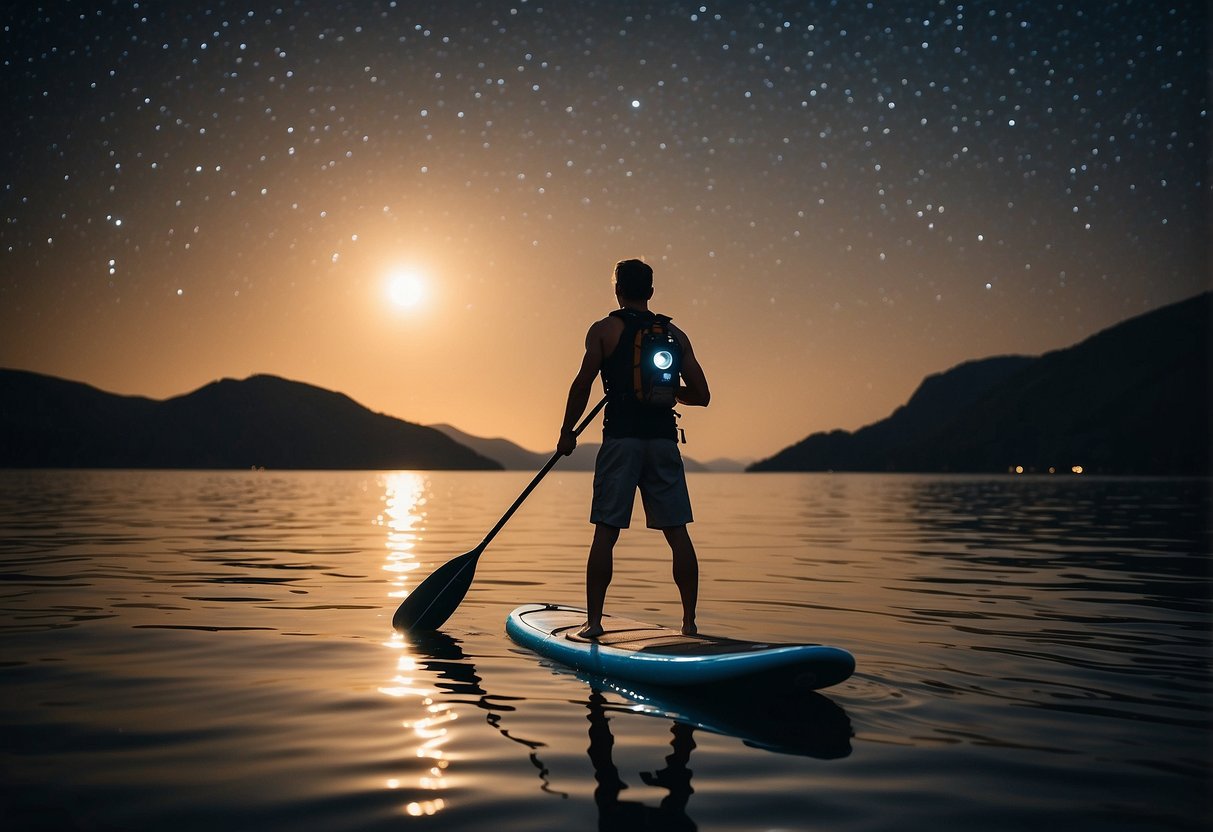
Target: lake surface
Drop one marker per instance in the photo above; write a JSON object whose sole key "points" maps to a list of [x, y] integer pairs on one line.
{"points": [[210, 650]]}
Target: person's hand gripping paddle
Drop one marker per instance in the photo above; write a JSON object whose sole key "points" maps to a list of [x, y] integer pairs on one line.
{"points": [[433, 600]]}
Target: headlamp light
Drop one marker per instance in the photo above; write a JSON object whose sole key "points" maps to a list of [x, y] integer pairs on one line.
{"points": [[663, 360]]}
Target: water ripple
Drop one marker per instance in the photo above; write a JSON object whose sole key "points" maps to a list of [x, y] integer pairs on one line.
{"points": [[185, 650]]}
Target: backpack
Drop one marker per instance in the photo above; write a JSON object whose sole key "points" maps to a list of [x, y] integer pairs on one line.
{"points": [[656, 363]]}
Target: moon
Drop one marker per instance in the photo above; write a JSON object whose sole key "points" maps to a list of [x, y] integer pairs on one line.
{"points": [[407, 288]]}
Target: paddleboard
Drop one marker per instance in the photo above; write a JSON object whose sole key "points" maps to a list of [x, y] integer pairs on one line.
{"points": [[645, 652]]}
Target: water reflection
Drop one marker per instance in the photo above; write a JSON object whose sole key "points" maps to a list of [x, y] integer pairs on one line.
{"points": [[675, 778], [805, 724], [455, 675], [435, 679], [428, 731], [404, 497]]}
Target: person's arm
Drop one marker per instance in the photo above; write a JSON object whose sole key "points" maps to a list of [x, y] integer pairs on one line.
{"points": [[694, 391], [580, 389]]}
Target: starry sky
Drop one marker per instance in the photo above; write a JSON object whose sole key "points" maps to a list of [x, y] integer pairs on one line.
{"points": [[419, 204]]}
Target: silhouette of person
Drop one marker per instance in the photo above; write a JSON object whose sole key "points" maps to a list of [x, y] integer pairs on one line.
{"points": [[639, 445], [615, 815]]}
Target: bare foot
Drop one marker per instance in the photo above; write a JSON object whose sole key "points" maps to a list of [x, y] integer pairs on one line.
{"points": [[589, 630], [690, 629]]}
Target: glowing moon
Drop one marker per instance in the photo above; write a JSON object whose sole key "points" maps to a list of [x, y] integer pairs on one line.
{"points": [[406, 288]]}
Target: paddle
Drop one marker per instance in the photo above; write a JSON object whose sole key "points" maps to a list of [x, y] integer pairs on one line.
{"points": [[433, 600]]}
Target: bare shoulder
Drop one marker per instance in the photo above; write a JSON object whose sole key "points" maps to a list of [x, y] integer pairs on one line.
{"points": [[681, 335], [605, 327], [607, 324], [604, 333]]}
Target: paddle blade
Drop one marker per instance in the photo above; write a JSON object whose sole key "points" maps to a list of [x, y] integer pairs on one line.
{"points": [[431, 603]]}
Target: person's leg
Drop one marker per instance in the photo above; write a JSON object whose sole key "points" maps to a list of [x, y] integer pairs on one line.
{"points": [[667, 506], [686, 574], [598, 570], [616, 472]]}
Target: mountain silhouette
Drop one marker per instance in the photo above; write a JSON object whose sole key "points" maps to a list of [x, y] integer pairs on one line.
{"points": [[262, 421], [1132, 399], [514, 457]]}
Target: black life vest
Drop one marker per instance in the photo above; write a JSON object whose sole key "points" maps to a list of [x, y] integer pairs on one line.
{"points": [[641, 377]]}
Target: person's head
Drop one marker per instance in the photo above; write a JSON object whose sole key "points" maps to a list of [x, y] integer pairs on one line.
{"points": [[633, 280]]}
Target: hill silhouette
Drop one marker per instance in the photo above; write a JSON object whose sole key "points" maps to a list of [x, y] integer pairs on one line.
{"points": [[1132, 399], [514, 457], [262, 421]]}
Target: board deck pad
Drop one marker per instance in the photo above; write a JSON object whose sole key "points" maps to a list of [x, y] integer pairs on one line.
{"points": [[630, 649], [661, 640]]}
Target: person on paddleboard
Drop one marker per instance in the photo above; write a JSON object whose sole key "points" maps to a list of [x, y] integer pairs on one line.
{"points": [[647, 365]]}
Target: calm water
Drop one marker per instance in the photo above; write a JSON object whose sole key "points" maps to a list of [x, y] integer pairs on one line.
{"points": [[214, 650]]}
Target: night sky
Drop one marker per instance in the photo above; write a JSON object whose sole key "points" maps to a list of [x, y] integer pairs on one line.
{"points": [[419, 203]]}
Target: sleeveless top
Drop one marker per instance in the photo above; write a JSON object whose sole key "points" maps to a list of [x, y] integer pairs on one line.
{"points": [[625, 415]]}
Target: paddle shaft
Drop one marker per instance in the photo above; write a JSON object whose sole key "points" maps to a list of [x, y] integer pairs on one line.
{"points": [[434, 599], [542, 473]]}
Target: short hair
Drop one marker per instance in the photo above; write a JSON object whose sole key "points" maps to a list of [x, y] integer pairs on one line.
{"points": [[634, 279]]}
